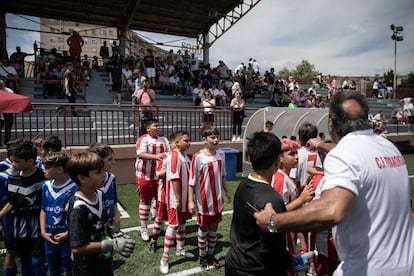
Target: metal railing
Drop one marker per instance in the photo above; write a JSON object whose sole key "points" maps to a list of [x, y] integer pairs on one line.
{"points": [[109, 124]]}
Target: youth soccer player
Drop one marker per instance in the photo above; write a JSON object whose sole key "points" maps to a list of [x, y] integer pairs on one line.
{"points": [[24, 203], [89, 230], [205, 189], [253, 251], [9, 266], [56, 193], [286, 187], [161, 214], [150, 148], [307, 158], [178, 173], [109, 187]]}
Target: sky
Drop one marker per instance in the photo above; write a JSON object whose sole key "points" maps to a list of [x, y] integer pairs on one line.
{"points": [[338, 37]]}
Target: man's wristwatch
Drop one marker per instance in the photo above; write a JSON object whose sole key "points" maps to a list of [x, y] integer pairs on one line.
{"points": [[271, 225]]}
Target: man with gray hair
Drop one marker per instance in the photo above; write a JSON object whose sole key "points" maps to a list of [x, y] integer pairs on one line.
{"points": [[360, 197]]}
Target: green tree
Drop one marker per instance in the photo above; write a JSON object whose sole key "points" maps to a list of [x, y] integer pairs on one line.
{"points": [[305, 70], [285, 73], [388, 76], [408, 82]]}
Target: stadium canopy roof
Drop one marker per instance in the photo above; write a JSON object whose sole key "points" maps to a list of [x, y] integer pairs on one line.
{"points": [[188, 18]]}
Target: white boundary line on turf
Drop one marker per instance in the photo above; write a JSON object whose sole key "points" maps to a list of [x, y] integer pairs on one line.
{"points": [[136, 228]]}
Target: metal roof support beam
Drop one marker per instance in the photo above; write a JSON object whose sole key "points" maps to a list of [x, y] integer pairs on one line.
{"points": [[225, 22], [125, 21]]}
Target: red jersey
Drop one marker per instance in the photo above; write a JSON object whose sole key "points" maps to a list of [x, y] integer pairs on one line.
{"points": [[178, 168], [146, 169], [286, 187], [207, 176]]}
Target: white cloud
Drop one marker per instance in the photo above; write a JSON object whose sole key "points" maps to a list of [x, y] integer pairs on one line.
{"points": [[350, 37]]}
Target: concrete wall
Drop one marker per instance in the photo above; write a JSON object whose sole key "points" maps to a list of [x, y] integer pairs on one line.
{"points": [[125, 158]]}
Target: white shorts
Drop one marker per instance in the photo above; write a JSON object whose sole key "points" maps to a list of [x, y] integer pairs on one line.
{"points": [[150, 72]]}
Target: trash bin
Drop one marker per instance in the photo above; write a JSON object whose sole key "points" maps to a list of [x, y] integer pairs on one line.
{"points": [[230, 163]]}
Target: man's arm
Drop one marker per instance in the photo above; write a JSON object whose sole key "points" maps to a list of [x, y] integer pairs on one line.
{"points": [[6, 209], [318, 215]]}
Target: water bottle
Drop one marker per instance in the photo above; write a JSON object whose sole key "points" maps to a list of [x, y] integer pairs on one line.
{"points": [[300, 260]]}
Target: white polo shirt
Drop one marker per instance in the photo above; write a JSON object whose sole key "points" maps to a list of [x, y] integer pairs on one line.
{"points": [[376, 237]]}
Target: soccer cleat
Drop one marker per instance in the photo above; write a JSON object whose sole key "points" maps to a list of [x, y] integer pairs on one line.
{"points": [[153, 247], [164, 267], [213, 261], [144, 236], [185, 254], [203, 264]]}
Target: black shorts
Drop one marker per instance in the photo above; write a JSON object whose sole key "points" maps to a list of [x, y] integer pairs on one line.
{"points": [[30, 247], [208, 117]]}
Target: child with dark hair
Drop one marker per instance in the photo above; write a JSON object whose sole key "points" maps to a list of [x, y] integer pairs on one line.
{"points": [[49, 145], [253, 251], [109, 187], [161, 214], [57, 191], [178, 173], [151, 148], [205, 190], [89, 230], [24, 203]]}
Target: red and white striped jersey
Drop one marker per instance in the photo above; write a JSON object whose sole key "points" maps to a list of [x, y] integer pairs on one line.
{"points": [[207, 176], [146, 169], [285, 186], [306, 159], [162, 167], [178, 168]]}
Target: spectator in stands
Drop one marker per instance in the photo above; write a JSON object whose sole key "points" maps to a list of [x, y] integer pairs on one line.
{"points": [[8, 74], [164, 81], [115, 80], [145, 100], [408, 111], [222, 70], [149, 65], [86, 67], [380, 121], [198, 94], [209, 104], [237, 106], [128, 79], [175, 83], [70, 86], [353, 84], [19, 57], [375, 88], [116, 52], [59, 71], [104, 53], [49, 85], [268, 126], [6, 119], [75, 43], [382, 90], [256, 67]]}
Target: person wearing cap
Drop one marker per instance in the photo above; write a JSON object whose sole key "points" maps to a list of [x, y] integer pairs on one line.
{"points": [[75, 43], [139, 84], [70, 86]]}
